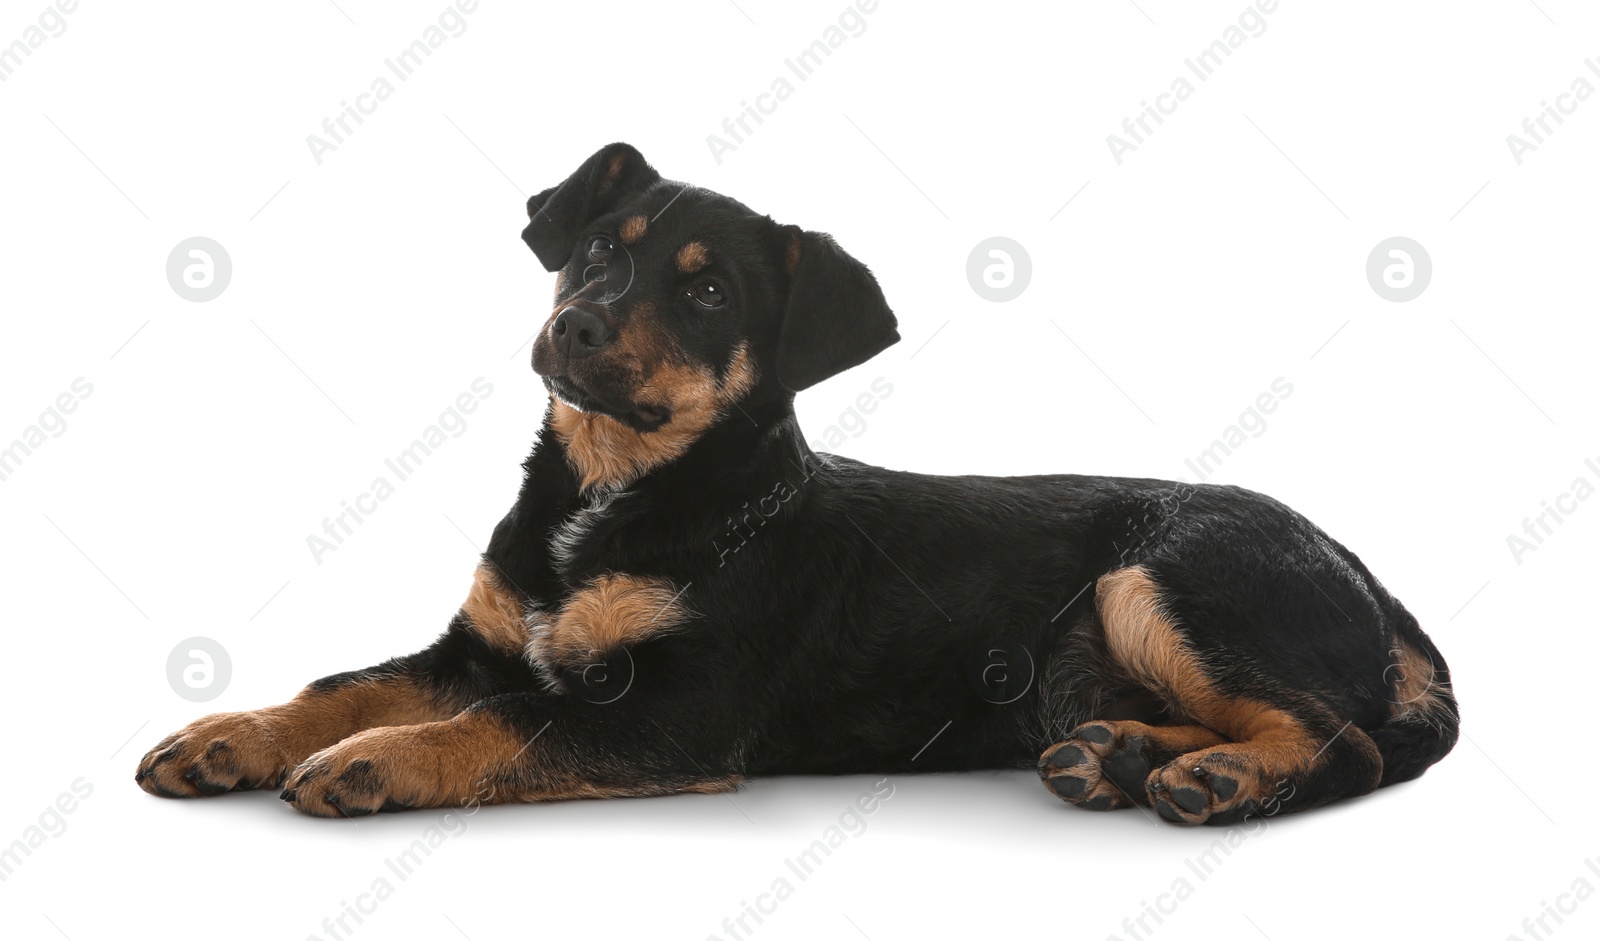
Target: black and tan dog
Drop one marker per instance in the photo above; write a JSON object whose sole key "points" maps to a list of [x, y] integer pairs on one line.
{"points": [[684, 594]]}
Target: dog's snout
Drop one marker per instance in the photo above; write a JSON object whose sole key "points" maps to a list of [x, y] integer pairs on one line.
{"points": [[578, 332]]}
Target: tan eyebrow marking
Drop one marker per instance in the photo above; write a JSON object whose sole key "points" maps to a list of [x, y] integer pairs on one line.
{"points": [[633, 229], [692, 257]]}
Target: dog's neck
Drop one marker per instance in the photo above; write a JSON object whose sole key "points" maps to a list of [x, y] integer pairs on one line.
{"points": [[605, 453]]}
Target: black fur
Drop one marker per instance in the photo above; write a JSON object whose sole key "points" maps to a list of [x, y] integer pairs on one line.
{"points": [[847, 617]]}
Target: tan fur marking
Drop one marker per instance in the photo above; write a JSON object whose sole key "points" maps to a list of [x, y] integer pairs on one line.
{"points": [[431, 764], [607, 453], [633, 229], [1271, 738], [468, 760], [614, 170], [1173, 738], [260, 746], [494, 613], [791, 260], [693, 257], [610, 612], [1160, 742], [1417, 687], [1143, 640], [1268, 750]]}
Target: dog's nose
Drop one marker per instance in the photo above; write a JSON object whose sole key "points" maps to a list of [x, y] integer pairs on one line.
{"points": [[578, 332]]}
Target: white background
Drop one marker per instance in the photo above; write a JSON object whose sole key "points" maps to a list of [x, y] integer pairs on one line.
{"points": [[370, 290]]}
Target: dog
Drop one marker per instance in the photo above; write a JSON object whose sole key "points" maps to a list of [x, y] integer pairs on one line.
{"points": [[685, 595]]}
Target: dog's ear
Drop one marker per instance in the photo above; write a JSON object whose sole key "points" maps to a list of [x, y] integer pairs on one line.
{"points": [[836, 316], [556, 217]]}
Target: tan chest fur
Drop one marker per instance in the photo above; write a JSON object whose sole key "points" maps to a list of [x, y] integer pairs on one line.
{"points": [[609, 612]]}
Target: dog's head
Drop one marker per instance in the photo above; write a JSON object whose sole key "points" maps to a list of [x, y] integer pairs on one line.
{"points": [[674, 304]]}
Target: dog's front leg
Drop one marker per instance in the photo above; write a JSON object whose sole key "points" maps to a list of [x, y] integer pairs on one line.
{"points": [[238, 751], [513, 748]]}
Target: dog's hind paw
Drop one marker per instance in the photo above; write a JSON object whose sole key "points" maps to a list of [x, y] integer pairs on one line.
{"points": [[1096, 767]]}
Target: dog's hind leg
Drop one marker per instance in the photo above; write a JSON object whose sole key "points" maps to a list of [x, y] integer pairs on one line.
{"points": [[1103, 764], [1264, 750]]}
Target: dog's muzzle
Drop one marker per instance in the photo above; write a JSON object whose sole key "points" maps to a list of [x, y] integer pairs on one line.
{"points": [[577, 332]]}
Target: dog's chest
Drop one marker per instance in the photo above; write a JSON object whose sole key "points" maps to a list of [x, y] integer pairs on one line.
{"points": [[585, 642], [577, 643], [579, 542]]}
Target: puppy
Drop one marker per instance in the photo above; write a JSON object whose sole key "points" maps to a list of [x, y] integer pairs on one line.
{"points": [[685, 595]]}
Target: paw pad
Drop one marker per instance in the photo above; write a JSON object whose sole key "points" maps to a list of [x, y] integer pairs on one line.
{"points": [[1190, 791], [1095, 767]]}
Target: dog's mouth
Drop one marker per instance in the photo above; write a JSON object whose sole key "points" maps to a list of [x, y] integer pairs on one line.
{"points": [[639, 417]]}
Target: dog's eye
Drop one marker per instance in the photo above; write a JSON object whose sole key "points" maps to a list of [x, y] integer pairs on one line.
{"points": [[600, 248], [708, 294]]}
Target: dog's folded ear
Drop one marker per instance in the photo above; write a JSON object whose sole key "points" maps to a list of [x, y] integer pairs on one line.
{"points": [[836, 316], [556, 217]]}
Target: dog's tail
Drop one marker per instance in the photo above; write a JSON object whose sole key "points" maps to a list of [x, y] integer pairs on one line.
{"points": [[1424, 719]]}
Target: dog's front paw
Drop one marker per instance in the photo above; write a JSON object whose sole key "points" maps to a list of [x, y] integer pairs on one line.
{"points": [[229, 751], [379, 770]]}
